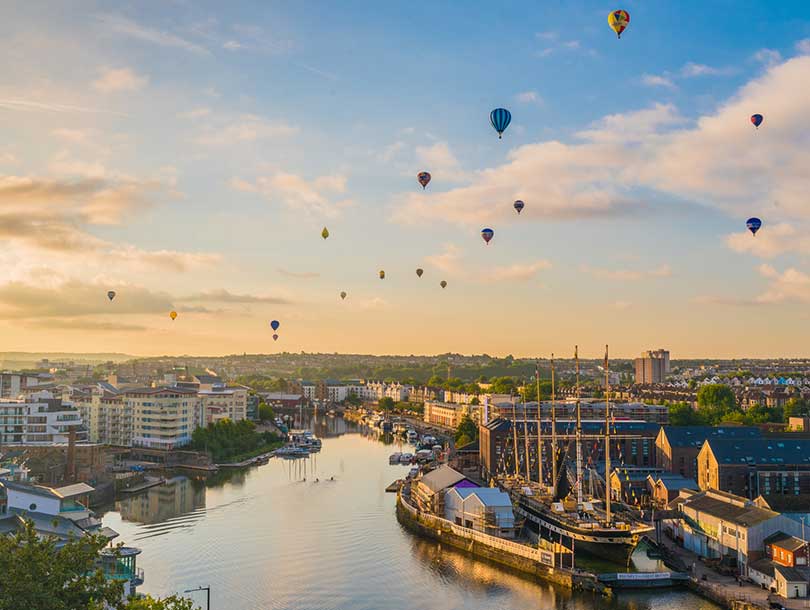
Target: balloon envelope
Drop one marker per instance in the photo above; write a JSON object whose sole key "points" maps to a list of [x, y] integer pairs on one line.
{"points": [[519, 205], [443, 284], [500, 119], [424, 178], [325, 233], [382, 274], [343, 295], [618, 21], [419, 272], [111, 294], [275, 337], [757, 119], [274, 324], [173, 315], [487, 234], [753, 225]]}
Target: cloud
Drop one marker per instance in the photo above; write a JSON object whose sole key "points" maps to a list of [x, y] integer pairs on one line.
{"points": [[300, 275], [692, 70], [516, 272], [74, 298], [84, 325], [247, 128], [76, 136], [638, 161], [7, 158], [117, 24], [631, 275], [318, 196], [448, 260], [529, 97], [769, 57], [223, 296], [803, 46], [555, 45], [790, 286], [653, 80], [440, 160], [120, 79], [233, 45], [34, 106], [195, 113], [771, 241]]}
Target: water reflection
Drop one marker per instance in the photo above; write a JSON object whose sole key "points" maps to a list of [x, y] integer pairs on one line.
{"points": [[273, 537]]}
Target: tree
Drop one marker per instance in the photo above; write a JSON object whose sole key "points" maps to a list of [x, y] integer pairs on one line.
{"points": [[353, 400], [35, 574], [265, 412], [717, 395], [463, 440], [173, 602], [386, 403], [797, 407], [475, 401], [682, 414], [466, 428]]}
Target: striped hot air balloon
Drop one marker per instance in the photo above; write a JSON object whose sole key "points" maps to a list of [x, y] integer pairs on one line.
{"points": [[500, 119]]}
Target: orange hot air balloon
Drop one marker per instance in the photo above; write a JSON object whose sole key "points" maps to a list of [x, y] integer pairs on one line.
{"points": [[382, 274], [173, 315], [618, 21]]}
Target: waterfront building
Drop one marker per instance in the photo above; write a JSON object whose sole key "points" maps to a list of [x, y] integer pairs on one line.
{"points": [[220, 402], [428, 490], [750, 467], [282, 400], [164, 418], [483, 509], [252, 407], [782, 580], [63, 513], [448, 415], [677, 447], [424, 393], [590, 409], [39, 420], [796, 507], [629, 484], [15, 385], [716, 524], [666, 486], [786, 550], [652, 366]]}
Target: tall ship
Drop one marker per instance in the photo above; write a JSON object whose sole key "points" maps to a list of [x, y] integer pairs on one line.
{"points": [[562, 511]]}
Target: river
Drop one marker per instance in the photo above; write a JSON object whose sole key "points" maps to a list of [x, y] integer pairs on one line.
{"points": [[285, 535]]}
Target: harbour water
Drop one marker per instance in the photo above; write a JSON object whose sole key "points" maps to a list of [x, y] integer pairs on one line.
{"points": [[284, 535]]}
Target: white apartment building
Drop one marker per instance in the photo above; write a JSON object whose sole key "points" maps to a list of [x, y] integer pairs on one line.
{"points": [[38, 420], [164, 418], [374, 390], [223, 402], [14, 385]]}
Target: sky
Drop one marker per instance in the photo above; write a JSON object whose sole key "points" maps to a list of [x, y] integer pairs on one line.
{"points": [[187, 154]]}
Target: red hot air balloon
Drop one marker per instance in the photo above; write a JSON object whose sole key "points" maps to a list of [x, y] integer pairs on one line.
{"points": [[423, 178]]}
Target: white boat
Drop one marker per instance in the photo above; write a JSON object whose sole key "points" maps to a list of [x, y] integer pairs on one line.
{"points": [[406, 458], [291, 452], [412, 436], [424, 455], [394, 458]]}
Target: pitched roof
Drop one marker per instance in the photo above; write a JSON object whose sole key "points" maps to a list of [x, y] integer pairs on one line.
{"points": [[489, 496], [790, 575], [694, 436], [442, 478], [784, 503], [761, 451], [785, 541], [714, 503], [674, 481], [68, 491]]}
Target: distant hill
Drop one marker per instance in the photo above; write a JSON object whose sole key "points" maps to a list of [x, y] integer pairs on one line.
{"points": [[12, 360]]}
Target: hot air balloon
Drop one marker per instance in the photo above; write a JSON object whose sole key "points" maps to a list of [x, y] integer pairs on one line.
{"points": [[275, 337], [487, 234], [757, 119], [519, 205], [419, 272], [500, 119], [424, 178], [343, 295], [443, 284], [382, 274], [173, 315], [111, 294], [274, 324], [753, 225], [618, 21], [325, 233]]}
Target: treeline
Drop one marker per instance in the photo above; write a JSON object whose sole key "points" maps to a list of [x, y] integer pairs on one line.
{"points": [[229, 441], [717, 404]]}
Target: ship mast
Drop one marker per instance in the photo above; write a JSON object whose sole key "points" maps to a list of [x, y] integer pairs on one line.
{"points": [[539, 431], [553, 433], [526, 437], [514, 435], [579, 433], [607, 437]]}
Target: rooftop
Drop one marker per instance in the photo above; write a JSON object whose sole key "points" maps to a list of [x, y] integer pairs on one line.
{"points": [[68, 491], [442, 478], [694, 436], [728, 507], [489, 496], [785, 541], [760, 451]]}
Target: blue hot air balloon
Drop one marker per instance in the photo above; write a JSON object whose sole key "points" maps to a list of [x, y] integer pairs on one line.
{"points": [[274, 324], [757, 119], [487, 234], [500, 119], [753, 225], [519, 205]]}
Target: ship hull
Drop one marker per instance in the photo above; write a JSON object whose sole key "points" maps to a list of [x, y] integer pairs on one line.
{"points": [[611, 545]]}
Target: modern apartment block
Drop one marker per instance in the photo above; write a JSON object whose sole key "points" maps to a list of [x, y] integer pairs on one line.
{"points": [[223, 402], [39, 420], [164, 418], [652, 366]]}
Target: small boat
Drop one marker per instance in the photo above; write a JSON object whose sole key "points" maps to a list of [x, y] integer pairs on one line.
{"points": [[292, 452], [406, 458], [394, 458], [424, 455], [412, 436], [413, 472]]}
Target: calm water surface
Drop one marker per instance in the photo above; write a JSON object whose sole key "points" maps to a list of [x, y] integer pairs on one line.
{"points": [[272, 537]]}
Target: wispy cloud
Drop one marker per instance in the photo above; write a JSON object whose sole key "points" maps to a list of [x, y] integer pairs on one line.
{"points": [[448, 260], [37, 106], [223, 296], [246, 128], [656, 80], [692, 70], [769, 57], [627, 274], [119, 79], [117, 24], [299, 275], [320, 196], [529, 97], [440, 160], [515, 272]]}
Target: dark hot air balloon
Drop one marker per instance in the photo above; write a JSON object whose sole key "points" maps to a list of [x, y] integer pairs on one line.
{"points": [[519, 205], [419, 272], [500, 119], [757, 119], [487, 235], [275, 324], [424, 179], [753, 225], [443, 284], [111, 294]]}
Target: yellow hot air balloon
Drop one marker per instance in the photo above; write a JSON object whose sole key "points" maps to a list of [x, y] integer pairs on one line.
{"points": [[173, 315], [325, 233], [618, 21], [343, 295], [382, 274]]}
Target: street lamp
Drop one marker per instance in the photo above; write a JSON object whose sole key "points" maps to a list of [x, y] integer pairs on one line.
{"points": [[207, 595]]}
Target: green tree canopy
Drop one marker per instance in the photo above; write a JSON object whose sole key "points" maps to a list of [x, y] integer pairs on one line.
{"points": [[466, 428], [682, 414], [386, 403], [173, 602], [265, 412], [716, 395]]}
